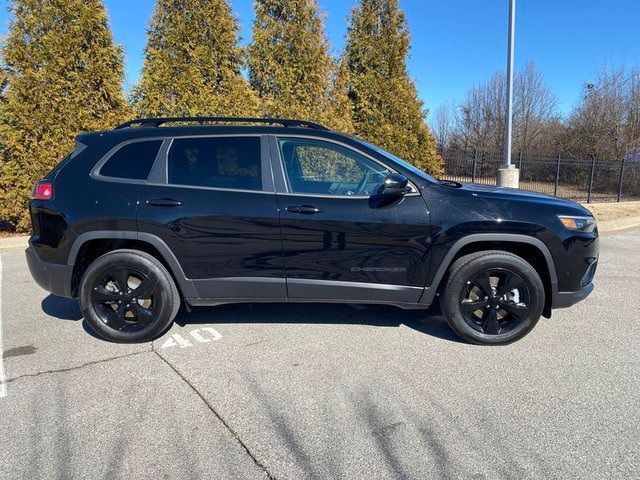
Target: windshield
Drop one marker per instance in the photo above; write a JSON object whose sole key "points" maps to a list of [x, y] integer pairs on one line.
{"points": [[398, 160]]}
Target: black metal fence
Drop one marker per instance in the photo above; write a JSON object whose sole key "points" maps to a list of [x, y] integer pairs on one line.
{"points": [[583, 180]]}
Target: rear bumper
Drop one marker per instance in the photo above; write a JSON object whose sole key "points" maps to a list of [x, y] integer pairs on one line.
{"points": [[567, 299], [53, 277]]}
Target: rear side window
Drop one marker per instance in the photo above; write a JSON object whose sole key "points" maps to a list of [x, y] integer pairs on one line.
{"points": [[132, 161], [216, 162]]}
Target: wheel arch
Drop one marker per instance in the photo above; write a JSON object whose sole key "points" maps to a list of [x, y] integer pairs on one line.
{"points": [[531, 249], [90, 245]]}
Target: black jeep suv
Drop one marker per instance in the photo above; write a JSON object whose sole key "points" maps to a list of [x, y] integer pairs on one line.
{"points": [[219, 210]]}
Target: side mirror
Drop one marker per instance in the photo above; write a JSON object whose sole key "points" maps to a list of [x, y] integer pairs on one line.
{"points": [[395, 184]]}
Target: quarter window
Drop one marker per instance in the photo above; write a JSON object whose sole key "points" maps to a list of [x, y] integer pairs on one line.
{"points": [[216, 162], [323, 168], [132, 161]]}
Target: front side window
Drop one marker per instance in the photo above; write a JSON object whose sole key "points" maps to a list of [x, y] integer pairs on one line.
{"points": [[132, 161], [216, 162], [324, 168]]}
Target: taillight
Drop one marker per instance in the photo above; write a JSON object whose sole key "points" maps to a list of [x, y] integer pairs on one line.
{"points": [[43, 190]]}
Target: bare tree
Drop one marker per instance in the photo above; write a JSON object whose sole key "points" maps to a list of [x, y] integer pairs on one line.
{"points": [[483, 113], [534, 110], [606, 121], [632, 111], [443, 123]]}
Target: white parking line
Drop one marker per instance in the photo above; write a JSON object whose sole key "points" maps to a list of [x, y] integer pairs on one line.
{"points": [[3, 387]]}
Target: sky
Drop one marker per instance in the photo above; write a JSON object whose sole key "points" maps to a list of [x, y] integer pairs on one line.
{"points": [[456, 44]]}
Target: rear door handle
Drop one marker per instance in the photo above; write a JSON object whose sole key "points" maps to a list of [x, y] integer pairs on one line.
{"points": [[305, 209], [164, 202]]}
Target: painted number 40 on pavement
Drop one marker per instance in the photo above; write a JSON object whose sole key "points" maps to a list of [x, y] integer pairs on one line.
{"points": [[199, 335]]}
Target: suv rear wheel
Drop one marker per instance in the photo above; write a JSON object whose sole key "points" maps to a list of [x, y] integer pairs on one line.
{"points": [[128, 296], [492, 297]]}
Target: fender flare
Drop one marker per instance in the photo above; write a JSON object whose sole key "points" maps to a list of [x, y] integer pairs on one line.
{"points": [[430, 291], [185, 284]]}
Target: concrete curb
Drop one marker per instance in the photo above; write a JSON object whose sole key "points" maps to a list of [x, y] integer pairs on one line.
{"points": [[623, 223], [13, 243]]}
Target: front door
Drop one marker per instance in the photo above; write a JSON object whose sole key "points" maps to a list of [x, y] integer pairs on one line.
{"points": [[341, 240], [213, 204]]}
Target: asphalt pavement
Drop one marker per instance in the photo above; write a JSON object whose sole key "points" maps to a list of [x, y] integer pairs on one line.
{"points": [[323, 391]]}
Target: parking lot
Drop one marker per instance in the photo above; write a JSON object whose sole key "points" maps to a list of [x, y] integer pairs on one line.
{"points": [[323, 391]]}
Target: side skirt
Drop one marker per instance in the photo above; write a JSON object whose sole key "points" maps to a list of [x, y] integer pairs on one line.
{"points": [[295, 290], [212, 302]]}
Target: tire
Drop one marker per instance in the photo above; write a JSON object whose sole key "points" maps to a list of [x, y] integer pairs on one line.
{"points": [[508, 306], [142, 310]]}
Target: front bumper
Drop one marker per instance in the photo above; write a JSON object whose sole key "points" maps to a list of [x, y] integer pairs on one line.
{"points": [[567, 299], [53, 277]]}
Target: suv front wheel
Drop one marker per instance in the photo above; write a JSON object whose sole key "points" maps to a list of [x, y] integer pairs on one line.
{"points": [[492, 297], [128, 296]]}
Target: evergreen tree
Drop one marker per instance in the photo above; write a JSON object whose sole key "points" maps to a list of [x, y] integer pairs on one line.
{"points": [[290, 67], [193, 62], [386, 107], [65, 77], [4, 81], [339, 105]]}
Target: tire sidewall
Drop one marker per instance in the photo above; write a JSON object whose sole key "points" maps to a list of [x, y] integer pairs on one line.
{"points": [[166, 295], [458, 281]]}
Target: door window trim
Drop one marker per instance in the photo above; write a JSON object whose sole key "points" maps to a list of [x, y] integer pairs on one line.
{"points": [[160, 170], [282, 185]]}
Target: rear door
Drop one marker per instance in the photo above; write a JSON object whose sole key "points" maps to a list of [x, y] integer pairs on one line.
{"points": [[211, 200], [341, 240]]}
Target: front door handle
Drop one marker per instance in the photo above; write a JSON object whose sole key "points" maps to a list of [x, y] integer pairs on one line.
{"points": [[164, 202], [305, 209]]}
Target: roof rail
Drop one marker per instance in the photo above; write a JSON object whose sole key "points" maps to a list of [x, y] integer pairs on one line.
{"points": [[156, 122]]}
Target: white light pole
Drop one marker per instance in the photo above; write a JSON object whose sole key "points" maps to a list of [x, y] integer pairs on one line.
{"points": [[508, 175]]}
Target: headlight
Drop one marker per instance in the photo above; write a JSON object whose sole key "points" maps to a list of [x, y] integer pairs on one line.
{"points": [[580, 224]]}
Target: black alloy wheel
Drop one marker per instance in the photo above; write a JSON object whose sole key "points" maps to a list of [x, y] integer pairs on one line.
{"points": [[125, 299], [495, 301], [492, 297], [128, 296]]}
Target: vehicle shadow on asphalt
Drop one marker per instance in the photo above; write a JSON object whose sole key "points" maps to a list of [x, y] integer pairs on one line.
{"points": [[429, 322], [61, 308]]}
